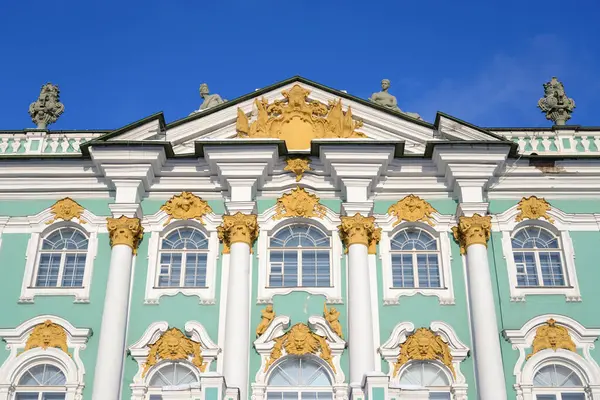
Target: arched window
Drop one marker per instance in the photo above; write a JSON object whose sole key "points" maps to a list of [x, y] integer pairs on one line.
{"points": [[42, 382], [415, 260], [426, 375], [172, 377], [557, 382], [538, 257], [299, 378], [299, 256], [183, 259], [61, 260]]}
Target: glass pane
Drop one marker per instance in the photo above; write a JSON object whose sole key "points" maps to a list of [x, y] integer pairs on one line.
{"points": [[424, 374], [545, 397], [439, 396], [552, 273], [429, 273], [173, 374], [43, 375], [53, 396], [27, 396], [74, 270], [315, 268], [155, 397], [195, 269], [526, 269], [573, 396], [48, 268], [556, 376], [402, 270]]}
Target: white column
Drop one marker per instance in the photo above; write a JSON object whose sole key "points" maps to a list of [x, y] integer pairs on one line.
{"points": [[125, 234]]}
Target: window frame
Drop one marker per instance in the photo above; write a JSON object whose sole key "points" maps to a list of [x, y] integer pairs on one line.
{"points": [[39, 389], [441, 367], [297, 389], [186, 391]]}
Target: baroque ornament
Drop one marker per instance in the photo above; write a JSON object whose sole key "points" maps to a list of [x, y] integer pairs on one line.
{"points": [[298, 341], [552, 336], [208, 100], [46, 335], [298, 166], [298, 120], [267, 316], [299, 203], [174, 345], [332, 315], [375, 238], [66, 209], [472, 230], [424, 345], [186, 206], [47, 108], [533, 207], [125, 230], [555, 103], [358, 230], [412, 209], [238, 228]]}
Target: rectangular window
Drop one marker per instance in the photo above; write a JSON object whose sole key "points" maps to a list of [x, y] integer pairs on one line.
{"points": [[402, 271]]}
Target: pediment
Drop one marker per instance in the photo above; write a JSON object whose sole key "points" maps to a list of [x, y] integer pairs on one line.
{"points": [[298, 110]]}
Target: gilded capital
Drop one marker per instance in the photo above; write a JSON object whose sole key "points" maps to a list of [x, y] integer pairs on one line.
{"points": [[357, 230], [238, 228], [472, 230], [125, 230]]}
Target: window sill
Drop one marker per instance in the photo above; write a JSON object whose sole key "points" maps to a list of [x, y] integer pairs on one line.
{"points": [[55, 287], [419, 288], [545, 287], [179, 287], [298, 287]]}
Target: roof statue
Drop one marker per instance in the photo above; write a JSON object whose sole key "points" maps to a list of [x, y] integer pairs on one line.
{"points": [[388, 101], [209, 100], [47, 108], [555, 103]]}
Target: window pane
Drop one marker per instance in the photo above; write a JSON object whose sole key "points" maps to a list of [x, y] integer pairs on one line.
{"points": [[171, 263], [43, 374], [552, 273], [545, 397], [315, 268], [573, 396], [439, 396], [556, 376], [53, 396], [74, 270], [27, 396], [402, 270], [429, 273], [48, 270], [195, 269], [526, 269]]}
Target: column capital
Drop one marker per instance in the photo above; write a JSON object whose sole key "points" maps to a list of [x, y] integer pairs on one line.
{"points": [[125, 230], [359, 230], [238, 228], [472, 230]]}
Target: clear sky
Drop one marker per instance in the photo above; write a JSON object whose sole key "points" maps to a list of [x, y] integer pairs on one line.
{"points": [[483, 61]]}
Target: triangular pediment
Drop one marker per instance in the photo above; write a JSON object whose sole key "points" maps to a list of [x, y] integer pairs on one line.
{"points": [[298, 110]]}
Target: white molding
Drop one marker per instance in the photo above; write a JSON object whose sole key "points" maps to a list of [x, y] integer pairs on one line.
{"points": [[505, 221], [269, 226]]}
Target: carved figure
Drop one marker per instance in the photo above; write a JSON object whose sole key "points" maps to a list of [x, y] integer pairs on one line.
{"points": [[47, 108], [555, 103], [332, 315], [412, 208], [424, 345], [267, 315], [186, 206], [299, 203], [66, 209], [388, 101], [297, 166], [552, 336], [46, 335], [174, 345], [375, 238], [533, 207], [209, 100]]}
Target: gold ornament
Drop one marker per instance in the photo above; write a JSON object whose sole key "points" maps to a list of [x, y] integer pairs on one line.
{"points": [[374, 240], [424, 345], [238, 228], [472, 230], [533, 207], [124, 230], [552, 336], [298, 120], [267, 316], [66, 209], [46, 335], [412, 209], [186, 206], [297, 166], [174, 345], [357, 230], [333, 318], [299, 341], [299, 203]]}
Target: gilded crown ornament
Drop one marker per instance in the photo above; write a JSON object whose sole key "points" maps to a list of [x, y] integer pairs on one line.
{"points": [[358, 230], [298, 341], [412, 209], [267, 315], [238, 228], [186, 206], [297, 166], [552, 336], [332, 315], [298, 203], [174, 345], [125, 230], [424, 344], [472, 230], [298, 120], [47, 108], [555, 103], [66, 209], [533, 207], [47, 335]]}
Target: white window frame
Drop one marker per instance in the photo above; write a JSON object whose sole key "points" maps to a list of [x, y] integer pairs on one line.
{"points": [[299, 389], [327, 225], [156, 231], [440, 231], [183, 392]]}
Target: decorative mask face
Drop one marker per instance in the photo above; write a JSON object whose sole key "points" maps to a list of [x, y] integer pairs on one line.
{"points": [[172, 345], [299, 340], [553, 338], [46, 337], [423, 346]]}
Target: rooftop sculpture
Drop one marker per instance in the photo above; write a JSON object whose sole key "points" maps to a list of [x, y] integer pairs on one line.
{"points": [[555, 103], [388, 101], [47, 108], [209, 100]]}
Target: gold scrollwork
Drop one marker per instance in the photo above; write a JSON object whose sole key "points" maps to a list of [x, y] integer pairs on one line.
{"points": [[412, 209], [125, 230], [332, 315], [267, 316], [298, 203], [533, 207], [472, 230], [46, 335], [297, 166], [552, 336], [358, 230], [66, 209], [186, 206], [238, 228], [424, 344], [174, 345]]}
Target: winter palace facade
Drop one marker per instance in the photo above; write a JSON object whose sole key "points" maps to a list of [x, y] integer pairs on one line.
{"points": [[300, 243]]}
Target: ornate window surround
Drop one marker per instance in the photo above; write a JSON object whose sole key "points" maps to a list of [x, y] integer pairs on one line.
{"points": [[268, 226], [156, 230], [584, 365], [440, 230], [506, 224], [73, 368], [391, 348]]}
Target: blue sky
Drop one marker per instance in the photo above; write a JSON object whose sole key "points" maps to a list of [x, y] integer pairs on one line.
{"points": [[116, 62]]}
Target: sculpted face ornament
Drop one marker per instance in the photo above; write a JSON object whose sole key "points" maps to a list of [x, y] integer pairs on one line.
{"points": [[186, 206], [47, 335], [412, 209], [47, 108], [297, 166], [66, 209], [552, 336], [533, 207], [299, 203], [424, 345], [174, 345]]}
